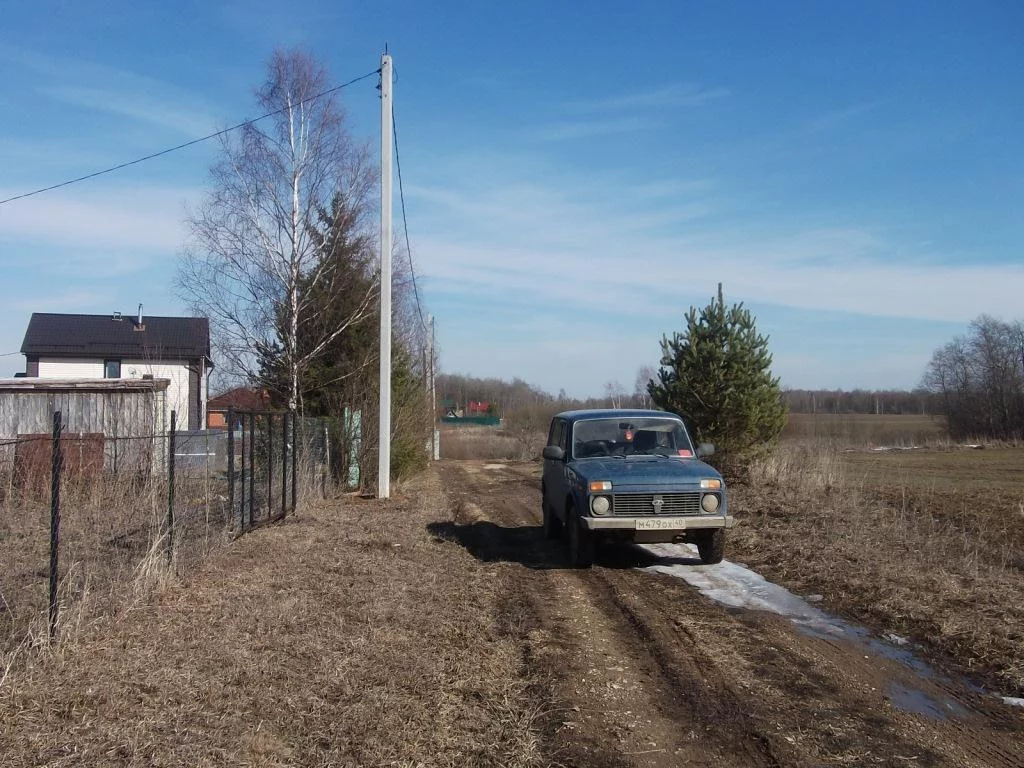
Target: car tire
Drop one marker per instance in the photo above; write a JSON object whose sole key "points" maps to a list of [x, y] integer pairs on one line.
{"points": [[711, 546], [581, 542], [552, 525]]}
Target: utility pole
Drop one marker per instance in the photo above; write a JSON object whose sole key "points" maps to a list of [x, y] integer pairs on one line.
{"points": [[384, 434], [435, 443]]}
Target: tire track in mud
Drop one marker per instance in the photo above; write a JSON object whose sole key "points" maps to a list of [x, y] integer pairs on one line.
{"points": [[641, 670]]}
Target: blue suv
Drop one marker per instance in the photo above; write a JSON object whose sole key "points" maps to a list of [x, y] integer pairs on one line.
{"points": [[630, 475]]}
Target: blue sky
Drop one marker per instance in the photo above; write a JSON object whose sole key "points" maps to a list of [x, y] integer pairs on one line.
{"points": [[575, 179]]}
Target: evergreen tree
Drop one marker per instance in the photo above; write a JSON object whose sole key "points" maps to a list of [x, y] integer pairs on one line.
{"points": [[717, 376], [338, 335]]}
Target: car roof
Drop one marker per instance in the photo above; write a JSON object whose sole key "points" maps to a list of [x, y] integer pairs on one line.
{"points": [[613, 413]]}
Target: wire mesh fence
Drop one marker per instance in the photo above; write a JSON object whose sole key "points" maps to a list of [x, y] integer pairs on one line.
{"points": [[89, 522]]}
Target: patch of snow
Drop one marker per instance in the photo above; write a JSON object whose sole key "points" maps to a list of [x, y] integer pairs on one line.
{"points": [[733, 585], [494, 466], [814, 598], [730, 584]]}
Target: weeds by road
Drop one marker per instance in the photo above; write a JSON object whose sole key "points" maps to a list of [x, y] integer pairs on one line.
{"points": [[339, 638], [925, 551]]}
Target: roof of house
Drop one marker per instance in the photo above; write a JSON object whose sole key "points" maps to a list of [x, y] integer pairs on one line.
{"points": [[159, 338], [243, 398], [33, 384]]}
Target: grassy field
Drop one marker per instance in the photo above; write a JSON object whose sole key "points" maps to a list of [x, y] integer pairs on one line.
{"points": [[864, 429], [925, 544]]}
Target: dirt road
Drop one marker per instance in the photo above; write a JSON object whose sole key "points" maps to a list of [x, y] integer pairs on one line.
{"points": [[643, 670], [440, 629]]}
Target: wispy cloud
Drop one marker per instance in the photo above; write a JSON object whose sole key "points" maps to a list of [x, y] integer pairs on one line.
{"points": [[582, 129], [101, 88], [134, 219], [672, 95], [838, 117], [145, 107], [533, 241]]}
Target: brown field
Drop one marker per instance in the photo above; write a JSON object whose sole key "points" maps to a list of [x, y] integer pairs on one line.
{"points": [[925, 544], [862, 429]]}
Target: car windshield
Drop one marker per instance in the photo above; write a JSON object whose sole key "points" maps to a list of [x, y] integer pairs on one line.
{"points": [[650, 436]]}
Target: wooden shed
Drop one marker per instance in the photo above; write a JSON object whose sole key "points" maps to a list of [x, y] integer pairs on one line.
{"points": [[116, 424]]}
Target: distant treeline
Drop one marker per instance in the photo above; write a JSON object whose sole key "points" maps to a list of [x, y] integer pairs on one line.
{"points": [[919, 402], [513, 399]]}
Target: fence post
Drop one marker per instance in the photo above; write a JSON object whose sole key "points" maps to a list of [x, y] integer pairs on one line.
{"points": [[241, 485], [295, 459], [170, 488], [284, 464], [55, 473], [231, 460], [270, 465], [325, 459], [252, 465]]}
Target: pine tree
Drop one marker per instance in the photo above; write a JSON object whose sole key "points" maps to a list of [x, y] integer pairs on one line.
{"points": [[717, 376]]}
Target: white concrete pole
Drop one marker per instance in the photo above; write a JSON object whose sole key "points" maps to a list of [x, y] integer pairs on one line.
{"points": [[384, 452], [435, 447]]}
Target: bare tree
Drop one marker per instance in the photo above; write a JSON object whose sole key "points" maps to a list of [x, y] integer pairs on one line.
{"points": [[644, 375], [980, 380], [255, 259], [615, 393]]}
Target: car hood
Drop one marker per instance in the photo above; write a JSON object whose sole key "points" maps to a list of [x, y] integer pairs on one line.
{"points": [[645, 470]]}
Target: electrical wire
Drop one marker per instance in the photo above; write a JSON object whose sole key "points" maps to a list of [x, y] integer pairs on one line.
{"points": [[187, 143], [405, 221]]}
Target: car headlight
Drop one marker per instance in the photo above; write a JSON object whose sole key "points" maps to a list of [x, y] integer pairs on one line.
{"points": [[709, 502], [600, 505]]}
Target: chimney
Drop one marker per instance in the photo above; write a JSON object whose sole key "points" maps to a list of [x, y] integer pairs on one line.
{"points": [[138, 325]]}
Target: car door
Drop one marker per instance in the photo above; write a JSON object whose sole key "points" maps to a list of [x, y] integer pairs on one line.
{"points": [[554, 471]]}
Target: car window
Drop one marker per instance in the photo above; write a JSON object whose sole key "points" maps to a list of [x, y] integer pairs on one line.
{"points": [[623, 436], [563, 434]]}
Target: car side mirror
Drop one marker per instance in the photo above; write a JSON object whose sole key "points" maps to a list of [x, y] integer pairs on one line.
{"points": [[705, 449], [554, 453]]}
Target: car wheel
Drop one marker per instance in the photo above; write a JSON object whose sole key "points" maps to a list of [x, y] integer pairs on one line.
{"points": [[711, 546], [552, 525], [581, 542]]}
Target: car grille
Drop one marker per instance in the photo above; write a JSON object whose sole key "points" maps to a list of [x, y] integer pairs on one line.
{"points": [[643, 503]]}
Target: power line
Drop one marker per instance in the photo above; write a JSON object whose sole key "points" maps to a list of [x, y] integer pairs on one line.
{"points": [[405, 221], [187, 143]]}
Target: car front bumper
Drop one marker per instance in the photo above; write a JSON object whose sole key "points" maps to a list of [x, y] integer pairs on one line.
{"points": [[663, 524]]}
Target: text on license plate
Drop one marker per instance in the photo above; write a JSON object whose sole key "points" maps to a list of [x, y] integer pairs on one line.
{"points": [[661, 524]]}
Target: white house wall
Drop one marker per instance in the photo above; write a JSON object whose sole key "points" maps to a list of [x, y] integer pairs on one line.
{"points": [[70, 368], [177, 392], [175, 370]]}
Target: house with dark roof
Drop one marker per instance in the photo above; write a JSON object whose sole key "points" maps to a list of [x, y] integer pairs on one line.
{"points": [[117, 346]]}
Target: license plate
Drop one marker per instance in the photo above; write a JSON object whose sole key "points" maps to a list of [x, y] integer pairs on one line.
{"points": [[661, 524]]}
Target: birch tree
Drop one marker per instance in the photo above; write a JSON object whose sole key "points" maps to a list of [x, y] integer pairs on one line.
{"points": [[256, 264]]}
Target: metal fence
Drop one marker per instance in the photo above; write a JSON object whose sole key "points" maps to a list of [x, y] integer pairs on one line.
{"points": [[88, 522]]}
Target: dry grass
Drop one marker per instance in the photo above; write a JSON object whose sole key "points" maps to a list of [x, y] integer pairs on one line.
{"points": [[491, 443], [339, 638], [863, 429], [889, 543]]}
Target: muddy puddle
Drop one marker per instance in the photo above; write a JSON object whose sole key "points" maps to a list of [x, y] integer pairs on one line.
{"points": [[736, 586]]}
